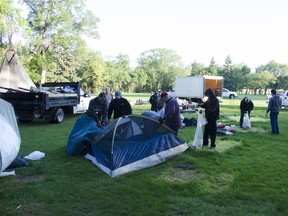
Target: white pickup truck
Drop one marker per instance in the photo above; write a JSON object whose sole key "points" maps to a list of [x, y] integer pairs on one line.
{"points": [[229, 94]]}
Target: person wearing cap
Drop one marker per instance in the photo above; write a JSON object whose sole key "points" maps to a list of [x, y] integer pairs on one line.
{"points": [[211, 106], [119, 106], [246, 105], [97, 109], [171, 116]]}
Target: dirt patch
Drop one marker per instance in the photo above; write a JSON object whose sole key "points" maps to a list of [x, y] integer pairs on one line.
{"points": [[30, 178], [182, 172], [184, 166]]}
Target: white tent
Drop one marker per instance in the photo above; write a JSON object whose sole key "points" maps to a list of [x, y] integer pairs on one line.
{"points": [[9, 135], [12, 73]]}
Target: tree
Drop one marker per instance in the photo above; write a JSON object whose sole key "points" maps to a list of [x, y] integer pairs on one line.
{"points": [[260, 80], [57, 28], [198, 69], [162, 66], [93, 73], [213, 68], [228, 73], [11, 23], [280, 72], [119, 72], [240, 76]]}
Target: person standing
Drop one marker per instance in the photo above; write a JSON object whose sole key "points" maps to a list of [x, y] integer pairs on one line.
{"points": [[171, 116], [109, 97], [153, 102], [97, 109], [160, 102], [274, 107], [211, 106], [246, 105], [119, 106]]}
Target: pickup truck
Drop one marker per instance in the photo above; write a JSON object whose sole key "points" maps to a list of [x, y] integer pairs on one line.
{"points": [[50, 102], [229, 94]]}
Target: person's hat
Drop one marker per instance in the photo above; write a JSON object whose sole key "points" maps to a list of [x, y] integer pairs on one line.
{"points": [[117, 94], [164, 94]]}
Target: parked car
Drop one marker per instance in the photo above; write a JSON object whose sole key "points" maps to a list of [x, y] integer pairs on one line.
{"points": [[229, 94]]}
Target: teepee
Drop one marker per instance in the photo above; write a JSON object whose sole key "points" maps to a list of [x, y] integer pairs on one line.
{"points": [[12, 73]]}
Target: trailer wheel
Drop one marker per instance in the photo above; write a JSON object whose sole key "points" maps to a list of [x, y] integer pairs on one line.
{"points": [[57, 116]]}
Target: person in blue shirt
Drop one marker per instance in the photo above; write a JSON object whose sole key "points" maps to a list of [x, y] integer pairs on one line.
{"points": [[274, 107]]}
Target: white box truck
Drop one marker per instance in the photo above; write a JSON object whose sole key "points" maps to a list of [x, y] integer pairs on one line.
{"points": [[193, 87]]}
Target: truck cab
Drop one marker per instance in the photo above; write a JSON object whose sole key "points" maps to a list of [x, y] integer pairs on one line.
{"points": [[229, 94]]}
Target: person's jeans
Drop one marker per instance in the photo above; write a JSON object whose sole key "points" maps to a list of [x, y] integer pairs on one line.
{"points": [[274, 122], [242, 117], [210, 130]]}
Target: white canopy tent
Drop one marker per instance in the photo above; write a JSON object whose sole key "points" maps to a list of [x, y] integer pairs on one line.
{"points": [[10, 139]]}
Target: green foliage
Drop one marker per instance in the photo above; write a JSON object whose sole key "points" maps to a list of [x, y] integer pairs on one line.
{"points": [[245, 175], [58, 27], [162, 67], [278, 74], [93, 73], [56, 50]]}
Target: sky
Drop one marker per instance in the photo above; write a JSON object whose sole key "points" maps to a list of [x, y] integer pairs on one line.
{"points": [[253, 32]]}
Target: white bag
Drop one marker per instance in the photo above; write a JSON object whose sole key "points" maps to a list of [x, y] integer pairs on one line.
{"points": [[246, 123], [198, 137]]}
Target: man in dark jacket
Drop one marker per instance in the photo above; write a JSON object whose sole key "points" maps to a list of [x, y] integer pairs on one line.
{"points": [[153, 102], [246, 105], [172, 112], [211, 106], [97, 109], [120, 106]]}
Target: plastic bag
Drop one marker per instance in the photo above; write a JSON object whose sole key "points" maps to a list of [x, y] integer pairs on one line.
{"points": [[201, 120], [246, 123], [198, 137], [36, 155]]}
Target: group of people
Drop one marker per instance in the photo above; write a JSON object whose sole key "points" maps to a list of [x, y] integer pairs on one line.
{"points": [[274, 107], [102, 107], [211, 106]]}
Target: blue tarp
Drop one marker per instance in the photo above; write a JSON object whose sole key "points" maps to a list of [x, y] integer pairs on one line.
{"points": [[83, 131]]}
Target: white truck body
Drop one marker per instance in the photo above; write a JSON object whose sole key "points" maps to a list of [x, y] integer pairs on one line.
{"points": [[284, 98], [193, 87]]}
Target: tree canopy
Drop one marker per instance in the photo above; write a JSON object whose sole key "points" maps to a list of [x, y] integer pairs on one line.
{"points": [[54, 49]]}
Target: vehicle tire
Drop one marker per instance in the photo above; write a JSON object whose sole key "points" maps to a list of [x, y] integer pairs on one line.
{"points": [[57, 116], [232, 96]]}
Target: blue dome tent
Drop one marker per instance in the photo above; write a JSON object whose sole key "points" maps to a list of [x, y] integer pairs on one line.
{"points": [[132, 143]]}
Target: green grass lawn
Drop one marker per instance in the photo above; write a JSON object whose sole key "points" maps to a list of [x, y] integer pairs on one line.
{"points": [[245, 175]]}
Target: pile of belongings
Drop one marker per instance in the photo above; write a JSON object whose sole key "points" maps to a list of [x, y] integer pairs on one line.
{"points": [[190, 122], [225, 129]]}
